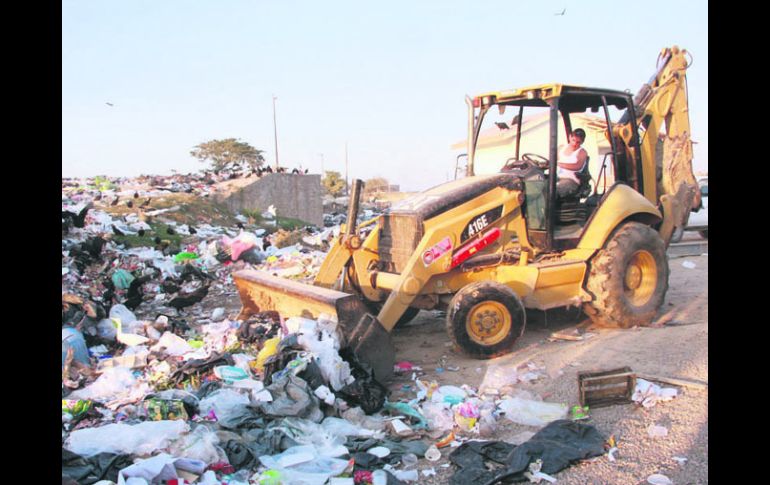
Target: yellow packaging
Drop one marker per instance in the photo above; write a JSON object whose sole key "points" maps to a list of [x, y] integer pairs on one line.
{"points": [[465, 424], [269, 349]]}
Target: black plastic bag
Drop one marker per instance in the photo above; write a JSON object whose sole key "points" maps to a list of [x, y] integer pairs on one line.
{"points": [[365, 391], [559, 444]]}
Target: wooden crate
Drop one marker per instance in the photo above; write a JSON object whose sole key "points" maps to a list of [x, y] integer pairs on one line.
{"points": [[605, 388]]}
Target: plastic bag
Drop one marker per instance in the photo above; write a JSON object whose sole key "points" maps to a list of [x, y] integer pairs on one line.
{"points": [[125, 439], [334, 370], [292, 397], [343, 427], [122, 279], [448, 394], [327, 442], [230, 373], [114, 382], [365, 391], [269, 349], [466, 415], [158, 469], [301, 326], [357, 416], [438, 415], [302, 464], [648, 394], [498, 377], [407, 410], [106, 329], [532, 413], [125, 315], [174, 344], [71, 338], [225, 403], [198, 445]]}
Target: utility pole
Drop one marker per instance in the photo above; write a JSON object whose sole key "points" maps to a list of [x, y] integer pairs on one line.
{"points": [[346, 168], [275, 133]]}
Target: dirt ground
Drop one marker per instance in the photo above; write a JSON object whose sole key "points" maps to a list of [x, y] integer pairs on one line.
{"points": [[676, 349]]}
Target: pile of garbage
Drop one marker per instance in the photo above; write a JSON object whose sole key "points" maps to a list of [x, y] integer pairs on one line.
{"points": [[159, 388]]}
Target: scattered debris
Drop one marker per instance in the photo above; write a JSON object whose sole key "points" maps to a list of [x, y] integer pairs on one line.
{"points": [[648, 394], [655, 431], [606, 388], [658, 479]]}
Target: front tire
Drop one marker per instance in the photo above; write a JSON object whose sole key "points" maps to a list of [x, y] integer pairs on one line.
{"points": [[628, 278], [484, 319]]}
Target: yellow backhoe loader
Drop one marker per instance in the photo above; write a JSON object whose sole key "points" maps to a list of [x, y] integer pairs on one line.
{"points": [[486, 247]]}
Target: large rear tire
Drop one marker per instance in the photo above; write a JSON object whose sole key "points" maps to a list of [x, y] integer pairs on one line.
{"points": [[484, 319], [628, 278]]}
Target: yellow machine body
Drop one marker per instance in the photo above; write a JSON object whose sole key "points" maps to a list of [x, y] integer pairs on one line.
{"points": [[408, 257]]}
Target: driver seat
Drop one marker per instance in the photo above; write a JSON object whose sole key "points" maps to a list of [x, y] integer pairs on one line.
{"points": [[569, 209]]}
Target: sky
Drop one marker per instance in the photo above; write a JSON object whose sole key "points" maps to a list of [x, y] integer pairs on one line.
{"points": [[384, 82]]}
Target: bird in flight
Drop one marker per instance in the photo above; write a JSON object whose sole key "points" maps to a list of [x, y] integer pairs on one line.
{"points": [[562, 13], [109, 104]]}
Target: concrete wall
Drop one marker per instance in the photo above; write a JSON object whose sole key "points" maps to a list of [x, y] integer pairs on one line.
{"points": [[293, 195]]}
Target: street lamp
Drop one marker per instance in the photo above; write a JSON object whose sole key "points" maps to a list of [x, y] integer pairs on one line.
{"points": [[275, 133]]}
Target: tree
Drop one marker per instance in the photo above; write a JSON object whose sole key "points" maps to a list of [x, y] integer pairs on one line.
{"points": [[228, 153], [333, 183], [376, 184]]}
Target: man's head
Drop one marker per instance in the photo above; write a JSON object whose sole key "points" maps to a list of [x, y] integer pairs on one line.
{"points": [[577, 137]]}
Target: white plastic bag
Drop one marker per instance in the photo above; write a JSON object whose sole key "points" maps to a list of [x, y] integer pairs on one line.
{"points": [[323, 442], [201, 445], [301, 325], [174, 345], [532, 413], [333, 368], [439, 416], [648, 394], [125, 439], [498, 377], [159, 468], [114, 382], [226, 403], [343, 427], [301, 464]]}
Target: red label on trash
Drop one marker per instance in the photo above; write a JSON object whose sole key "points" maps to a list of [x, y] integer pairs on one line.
{"points": [[435, 252]]}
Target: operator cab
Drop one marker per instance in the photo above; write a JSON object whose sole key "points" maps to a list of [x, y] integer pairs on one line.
{"points": [[522, 131]]}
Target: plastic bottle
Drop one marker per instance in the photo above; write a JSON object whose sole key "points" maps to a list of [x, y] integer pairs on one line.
{"points": [[432, 454]]}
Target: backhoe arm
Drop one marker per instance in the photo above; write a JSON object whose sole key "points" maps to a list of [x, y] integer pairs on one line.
{"points": [[661, 107]]}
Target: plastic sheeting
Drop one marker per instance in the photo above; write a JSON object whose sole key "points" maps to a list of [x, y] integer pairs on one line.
{"points": [[139, 439], [558, 445]]}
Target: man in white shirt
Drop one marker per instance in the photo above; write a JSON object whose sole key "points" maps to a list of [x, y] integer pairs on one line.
{"points": [[572, 158]]}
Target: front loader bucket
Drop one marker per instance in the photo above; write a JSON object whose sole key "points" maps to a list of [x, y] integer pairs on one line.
{"points": [[370, 342]]}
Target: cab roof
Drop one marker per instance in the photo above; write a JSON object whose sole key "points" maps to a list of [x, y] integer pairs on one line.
{"points": [[538, 95]]}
